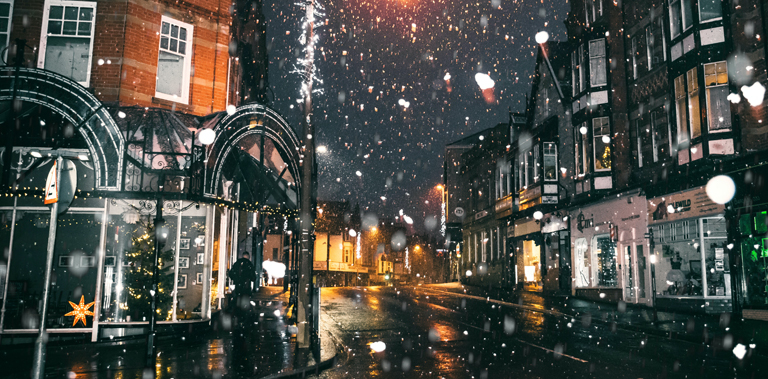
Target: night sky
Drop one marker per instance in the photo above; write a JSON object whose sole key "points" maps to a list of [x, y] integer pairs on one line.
{"points": [[372, 54]]}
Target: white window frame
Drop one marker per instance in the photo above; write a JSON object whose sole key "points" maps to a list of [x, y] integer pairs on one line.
{"points": [[44, 33], [186, 74], [4, 54], [581, 151], [708, 104], [702, 21], [549, 150], [577, 70], [595, 58], [681, 109]]}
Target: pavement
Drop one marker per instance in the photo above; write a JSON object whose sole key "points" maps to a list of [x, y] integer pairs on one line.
{"points": [[247, 344], [721, 331]]}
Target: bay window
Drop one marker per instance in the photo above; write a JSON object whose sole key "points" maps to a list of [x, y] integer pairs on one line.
{"points": [[718, 106], [597, 63], [602, 141], [174, 61], [66, 43]]}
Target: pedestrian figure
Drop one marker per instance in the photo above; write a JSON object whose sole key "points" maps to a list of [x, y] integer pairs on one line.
{"points": [[242, 274]]}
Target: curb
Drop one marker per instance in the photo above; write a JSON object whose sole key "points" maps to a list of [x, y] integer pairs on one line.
{"points": [[304, 371]]}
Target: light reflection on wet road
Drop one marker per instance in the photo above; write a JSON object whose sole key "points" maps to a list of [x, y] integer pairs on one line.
{"points": [[430, 333]]}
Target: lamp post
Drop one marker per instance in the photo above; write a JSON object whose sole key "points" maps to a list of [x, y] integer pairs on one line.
{"points": [[161, 236]]}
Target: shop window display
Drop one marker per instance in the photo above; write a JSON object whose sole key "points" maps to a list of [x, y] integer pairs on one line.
{"points": [[754, 256], [604, 255], [691, 258], [74, 272]]}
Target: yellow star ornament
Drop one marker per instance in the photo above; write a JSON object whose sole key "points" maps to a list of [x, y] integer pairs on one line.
{"points": [[80, 311]]}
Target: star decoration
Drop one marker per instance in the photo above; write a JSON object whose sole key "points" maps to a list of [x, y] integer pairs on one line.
{"points": [[80, 311]]}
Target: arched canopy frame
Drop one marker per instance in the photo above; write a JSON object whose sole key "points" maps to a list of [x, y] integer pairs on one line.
{"points": [[247, 121], [79, 107]]}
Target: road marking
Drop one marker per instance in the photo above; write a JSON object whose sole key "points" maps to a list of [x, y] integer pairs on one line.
{"points": [[526, 307], [552, 351]]}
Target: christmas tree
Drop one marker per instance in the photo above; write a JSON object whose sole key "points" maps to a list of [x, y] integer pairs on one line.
{"points": [[138, 276]]}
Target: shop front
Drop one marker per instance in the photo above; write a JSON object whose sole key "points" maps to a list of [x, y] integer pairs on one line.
{"points": [[527, 249], [610, 255], [557, 253], [748, 223], [692, 268], [130, 169]]}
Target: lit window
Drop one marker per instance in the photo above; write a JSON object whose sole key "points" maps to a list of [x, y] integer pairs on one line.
{"points": [[693, 103], [6, 13], [66, 43], [602, 142], [173, 66], [597, 66], [681, 109], [718, 106]]}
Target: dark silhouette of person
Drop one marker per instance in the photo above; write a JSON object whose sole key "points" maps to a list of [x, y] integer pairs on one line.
{"points": [[242, 274]]}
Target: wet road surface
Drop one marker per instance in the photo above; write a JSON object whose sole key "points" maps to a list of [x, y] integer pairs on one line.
{"points": [[431, 333]]}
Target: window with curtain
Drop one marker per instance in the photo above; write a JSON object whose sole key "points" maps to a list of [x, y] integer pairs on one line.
{"points": [[67, 41], [173, 65], [602, 141], [718, 106], [597, 66], [693, 103]]}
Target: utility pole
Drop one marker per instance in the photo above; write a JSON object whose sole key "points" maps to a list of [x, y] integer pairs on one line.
{"points": [[305, 290]]}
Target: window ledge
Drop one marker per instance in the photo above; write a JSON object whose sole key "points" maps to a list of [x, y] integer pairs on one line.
{"points": [[172, 104]]}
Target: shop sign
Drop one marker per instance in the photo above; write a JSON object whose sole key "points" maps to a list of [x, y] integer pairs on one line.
{"points": [[319, 265], [530, 193], [459, 212], [583, 222], [682, 205], [480, 215], [504, 204], [549, 199]]}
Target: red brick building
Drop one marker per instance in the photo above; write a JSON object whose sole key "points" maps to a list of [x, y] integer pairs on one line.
{"points": [[166, 54]]}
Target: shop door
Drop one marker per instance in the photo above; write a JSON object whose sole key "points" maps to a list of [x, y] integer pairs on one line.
{"points": [[629, 277]]}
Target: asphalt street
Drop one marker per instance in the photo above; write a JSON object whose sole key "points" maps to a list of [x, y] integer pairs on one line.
{"points": [[430, 333]]}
